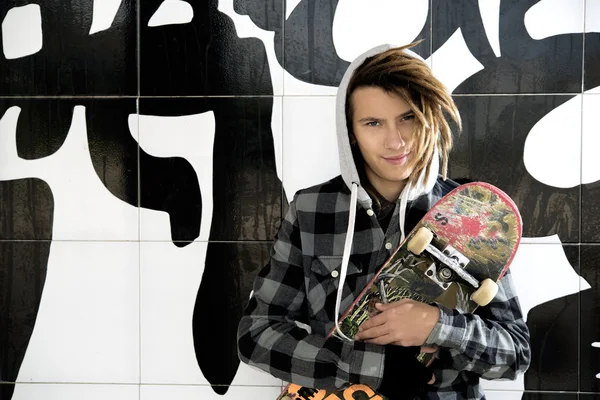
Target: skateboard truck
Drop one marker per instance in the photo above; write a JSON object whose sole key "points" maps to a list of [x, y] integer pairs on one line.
{"points": [[451, 261]]}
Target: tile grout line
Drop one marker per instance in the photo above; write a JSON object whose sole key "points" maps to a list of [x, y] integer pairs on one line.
{"points": [[580, 202]]}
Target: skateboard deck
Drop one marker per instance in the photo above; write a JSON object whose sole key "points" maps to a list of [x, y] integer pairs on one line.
{"points": [[454, 256]]}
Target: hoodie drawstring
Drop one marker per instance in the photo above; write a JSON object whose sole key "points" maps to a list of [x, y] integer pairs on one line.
{"points": [[403, 201], [346, 257]]}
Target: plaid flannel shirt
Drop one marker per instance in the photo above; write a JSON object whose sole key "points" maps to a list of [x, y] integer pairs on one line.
{"points": [[297, 285]]}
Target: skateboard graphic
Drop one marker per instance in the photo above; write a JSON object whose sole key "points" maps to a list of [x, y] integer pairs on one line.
{"points": [[454, 256]]}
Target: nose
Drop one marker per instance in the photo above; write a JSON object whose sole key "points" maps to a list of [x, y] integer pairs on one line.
{"points": [[393, 139]]}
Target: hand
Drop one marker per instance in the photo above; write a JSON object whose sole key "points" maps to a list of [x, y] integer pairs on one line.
{"points": [[404, 323]]}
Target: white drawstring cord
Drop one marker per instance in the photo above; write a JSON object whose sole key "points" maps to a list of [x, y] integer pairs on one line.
{"points": [[346, 258]]}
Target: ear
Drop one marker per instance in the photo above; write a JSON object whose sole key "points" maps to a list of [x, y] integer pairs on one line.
{"points": [[352, 140]]}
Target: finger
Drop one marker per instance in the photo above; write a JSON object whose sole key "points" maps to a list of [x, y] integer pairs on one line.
{"points": [[377, 320], [432, 381], [429, 349], [382, 340], [372, 333], [388, 306]]}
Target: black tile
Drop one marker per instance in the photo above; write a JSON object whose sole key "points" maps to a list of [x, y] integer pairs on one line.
{"points": [[590, 319], [23, 267], [549, 396], [71, 61], [26, 210], [202, 57], [310, 54], [491, 148], [590, 213], [526, 65], [592, 61], [247, 193], [554, 340], [227, 281], [43, 125]]}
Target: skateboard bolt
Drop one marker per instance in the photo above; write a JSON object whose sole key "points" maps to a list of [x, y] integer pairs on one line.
{"points": [[445, 273], [429, 273]]}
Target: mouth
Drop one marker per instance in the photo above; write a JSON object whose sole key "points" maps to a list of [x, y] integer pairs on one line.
{"points": [[397, 160]]}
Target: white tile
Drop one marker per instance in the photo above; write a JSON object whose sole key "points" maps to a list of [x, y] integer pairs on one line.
{"points": [[453, 63], [190, 137], [590, 162], [160, 392], [310, 152], [172, 12], [503, 394], [552, 152], [592, 16], [75, 392], [170, 278], [554, 17], [87, 328], [104, 14], [490, 16], [84, 209]]}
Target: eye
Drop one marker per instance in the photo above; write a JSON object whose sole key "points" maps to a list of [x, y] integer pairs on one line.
{"points": [[372, 123], [407, 118]]}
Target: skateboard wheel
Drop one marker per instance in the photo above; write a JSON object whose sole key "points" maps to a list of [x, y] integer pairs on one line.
{"points": [[420, 240], [486, 292]]}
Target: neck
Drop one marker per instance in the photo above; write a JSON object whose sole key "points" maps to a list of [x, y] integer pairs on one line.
{"points": [[388, 189]]}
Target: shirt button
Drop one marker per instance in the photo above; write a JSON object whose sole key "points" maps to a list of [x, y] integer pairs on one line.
{"points": [[334, 273], [388, 245], [370, 212]]}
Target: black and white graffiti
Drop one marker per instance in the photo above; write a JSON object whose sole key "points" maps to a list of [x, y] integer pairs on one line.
{"points": [[148, 151]]}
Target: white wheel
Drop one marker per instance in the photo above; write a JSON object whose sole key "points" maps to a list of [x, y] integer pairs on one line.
{"points": [[486, 292], [420, 240]]}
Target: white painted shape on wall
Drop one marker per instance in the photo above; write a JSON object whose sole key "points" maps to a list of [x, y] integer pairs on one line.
{"points": [[172, 12], [290, 5], [89, 213], [554, 17], [453, 63], [159, 392], [87, 327], [490, 15], [104, 14], [190, 137], [72, 391], [309, 142], [552, 151], [22, 31], [245, 28], [170, 278], [592, 16], [359, 25], [590, 162]]}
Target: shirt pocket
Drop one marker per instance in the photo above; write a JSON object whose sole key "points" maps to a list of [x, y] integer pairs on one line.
{"points": [[323, 281]]}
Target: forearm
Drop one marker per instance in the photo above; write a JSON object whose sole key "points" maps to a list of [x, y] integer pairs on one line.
{"points": [[290, 353], [493, 342]]}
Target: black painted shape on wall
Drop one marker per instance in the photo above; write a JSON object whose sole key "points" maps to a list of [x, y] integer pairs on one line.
{"points": [[71, 61], [592, 61], [26, 207], [246, 206], [554, 340], [491, 149], [203, 57], [223, 294], [550, 65]]}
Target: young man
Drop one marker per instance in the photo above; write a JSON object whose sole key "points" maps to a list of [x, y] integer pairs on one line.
{"points": [[392, 134]]}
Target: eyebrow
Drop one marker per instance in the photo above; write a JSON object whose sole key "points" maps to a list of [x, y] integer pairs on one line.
{"points": [[379, 119]]}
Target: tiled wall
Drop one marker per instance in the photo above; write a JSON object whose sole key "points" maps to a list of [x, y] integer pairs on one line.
{"points": [[149, 149]]}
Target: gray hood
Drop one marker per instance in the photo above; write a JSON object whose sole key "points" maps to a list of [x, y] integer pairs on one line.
{"points": [[347, 166], [351, 178]]}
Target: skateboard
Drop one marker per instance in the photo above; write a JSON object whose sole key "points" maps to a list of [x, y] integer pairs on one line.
{"points": [[454, 256]]}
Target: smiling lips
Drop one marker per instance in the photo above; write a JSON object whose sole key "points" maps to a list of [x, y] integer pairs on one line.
{"points": [[398, 160]]}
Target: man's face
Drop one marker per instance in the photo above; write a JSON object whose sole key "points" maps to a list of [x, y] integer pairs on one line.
{"points": [[383, 127]]}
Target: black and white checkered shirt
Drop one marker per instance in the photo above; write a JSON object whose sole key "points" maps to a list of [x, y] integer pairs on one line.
{"points": [[299, 284]]}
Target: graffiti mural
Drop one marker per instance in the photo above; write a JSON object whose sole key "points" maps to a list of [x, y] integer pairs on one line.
{"points": [[148, 151]]}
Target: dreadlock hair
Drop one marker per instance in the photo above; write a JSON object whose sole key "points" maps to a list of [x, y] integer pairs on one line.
{"points": [[397, 72]]}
